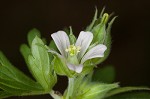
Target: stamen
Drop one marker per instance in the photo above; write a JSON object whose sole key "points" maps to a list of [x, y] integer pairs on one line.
{"points": [[73, 50]]}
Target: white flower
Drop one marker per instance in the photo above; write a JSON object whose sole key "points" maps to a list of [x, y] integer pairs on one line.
{"points": [[77, 53]]}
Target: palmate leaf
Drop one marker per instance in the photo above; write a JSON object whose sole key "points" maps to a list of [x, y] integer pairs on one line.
{"points": [[14, 81], [40, 66], [38, 60]]}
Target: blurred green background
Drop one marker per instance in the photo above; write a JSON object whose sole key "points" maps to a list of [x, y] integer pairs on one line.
{"points": [[130, 53]]}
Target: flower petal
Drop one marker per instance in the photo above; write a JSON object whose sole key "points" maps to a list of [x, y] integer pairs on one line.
{"points": [[76, 68], [84, 40], [62, 41], [97, 51]]}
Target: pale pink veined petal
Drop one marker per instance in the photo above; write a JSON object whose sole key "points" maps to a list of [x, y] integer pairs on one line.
{"points": [[76, 68], [84, 40], [97, 51], [62, 41]]}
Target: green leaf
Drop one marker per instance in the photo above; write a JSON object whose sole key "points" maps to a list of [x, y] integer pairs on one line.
{"points": [[14, 81], [131, 95], [4, 94], [105, 74], [32, 34], [84, 88], [95, 90], [40, 65], [126, 89], [25, 51]]}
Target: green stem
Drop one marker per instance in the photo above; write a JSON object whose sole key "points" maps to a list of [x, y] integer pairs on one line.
{"points": [[70, 88]]}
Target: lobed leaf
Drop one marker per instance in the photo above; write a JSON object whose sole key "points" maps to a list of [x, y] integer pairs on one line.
{"points": [[40, 64], [32, 34], [14, 81]]}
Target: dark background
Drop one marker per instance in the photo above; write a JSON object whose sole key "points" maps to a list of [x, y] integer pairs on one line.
{"points": [[131, 32]]}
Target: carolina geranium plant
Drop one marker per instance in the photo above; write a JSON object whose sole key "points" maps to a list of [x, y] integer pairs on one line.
{"points": [[70, 56]]}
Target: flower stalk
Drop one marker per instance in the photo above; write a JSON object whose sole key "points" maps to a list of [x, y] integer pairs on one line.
{"points": [[70, 88]]}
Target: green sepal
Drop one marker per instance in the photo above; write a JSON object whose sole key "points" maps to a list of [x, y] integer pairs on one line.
{"points": [[102, 12], [99, 19], [72, 38], [60, 66], [67, 30], [88, 67], [108, 30], [99, 30], [40, 65], [89, 28], [107, 42], [32, 34], [99, 33]]}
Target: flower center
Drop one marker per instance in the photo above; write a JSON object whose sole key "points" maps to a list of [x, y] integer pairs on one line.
{"points": [[73, 50]]}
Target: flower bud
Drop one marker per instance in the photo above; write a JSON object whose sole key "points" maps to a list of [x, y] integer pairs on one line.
{"points": [[101, 30], [105, 18]]}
